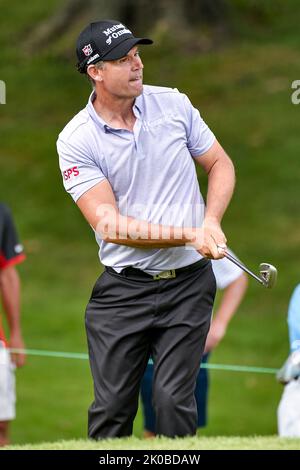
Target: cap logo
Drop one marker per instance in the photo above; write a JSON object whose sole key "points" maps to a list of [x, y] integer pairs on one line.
{"points": [[92, 58], [114, 32], [87, 50], [114, 28]]}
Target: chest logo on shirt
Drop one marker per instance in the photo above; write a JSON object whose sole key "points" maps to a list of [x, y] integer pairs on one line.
{"points": [[70, 172]]}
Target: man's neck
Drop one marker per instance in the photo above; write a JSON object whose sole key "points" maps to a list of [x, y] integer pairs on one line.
{"points": [[116, 112]]}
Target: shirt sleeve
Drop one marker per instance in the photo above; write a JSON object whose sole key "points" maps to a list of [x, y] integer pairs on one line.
{"points": [[294, 319], [79, 169], [199, 136], [11, 251]]}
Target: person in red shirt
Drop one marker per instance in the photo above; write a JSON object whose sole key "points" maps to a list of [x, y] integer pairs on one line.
{"points": [[11, 253]]}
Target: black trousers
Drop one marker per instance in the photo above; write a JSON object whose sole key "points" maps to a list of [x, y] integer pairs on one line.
{"points": [[128, 320]]}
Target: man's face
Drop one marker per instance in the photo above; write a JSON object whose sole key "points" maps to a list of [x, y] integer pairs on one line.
{"points": [[123, 78]]}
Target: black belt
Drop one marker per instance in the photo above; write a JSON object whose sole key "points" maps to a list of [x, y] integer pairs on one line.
{"points": [[169, 274]]}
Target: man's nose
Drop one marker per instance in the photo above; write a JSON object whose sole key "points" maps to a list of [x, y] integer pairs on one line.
{"points": [[137, 63]]}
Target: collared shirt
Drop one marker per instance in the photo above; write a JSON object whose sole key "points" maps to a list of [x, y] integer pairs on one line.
{"points": [[150, 169]]}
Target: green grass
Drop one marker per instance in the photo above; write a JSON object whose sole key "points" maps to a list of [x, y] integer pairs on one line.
{"points": [[160, 443], [243, 91]]}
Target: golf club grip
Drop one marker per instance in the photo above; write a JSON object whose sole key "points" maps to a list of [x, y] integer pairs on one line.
{"points": [[241, 266]]}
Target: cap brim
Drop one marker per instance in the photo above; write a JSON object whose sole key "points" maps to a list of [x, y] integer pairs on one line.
{"points": [[124, 47]]}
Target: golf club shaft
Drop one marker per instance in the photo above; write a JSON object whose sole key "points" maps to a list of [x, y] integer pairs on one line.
{"points": [[240, 265]]}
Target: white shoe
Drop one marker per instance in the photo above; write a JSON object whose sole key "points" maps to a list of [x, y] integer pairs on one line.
{"points": [[290, 369]]}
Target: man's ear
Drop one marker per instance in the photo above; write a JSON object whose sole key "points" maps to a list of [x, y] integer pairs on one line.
{"points": [[95, 73]]}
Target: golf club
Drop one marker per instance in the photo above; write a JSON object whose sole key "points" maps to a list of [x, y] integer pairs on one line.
{"points": [[267, 272]]}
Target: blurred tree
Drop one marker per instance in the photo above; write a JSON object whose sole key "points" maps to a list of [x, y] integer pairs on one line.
{"points": [[199, 24], [68, 13], [140, 15]]}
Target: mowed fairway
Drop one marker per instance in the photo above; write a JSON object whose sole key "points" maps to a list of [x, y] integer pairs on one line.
{"points": [[191, 443]]}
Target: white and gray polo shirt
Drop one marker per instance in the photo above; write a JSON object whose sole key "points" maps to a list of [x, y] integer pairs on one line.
{"points": [[151, 170]]}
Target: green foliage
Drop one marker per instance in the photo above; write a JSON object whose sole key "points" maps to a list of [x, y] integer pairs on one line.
{"points": [[243, 92]]}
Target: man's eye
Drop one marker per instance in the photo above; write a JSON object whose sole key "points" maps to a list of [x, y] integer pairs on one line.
{"points": [[124, 59]]}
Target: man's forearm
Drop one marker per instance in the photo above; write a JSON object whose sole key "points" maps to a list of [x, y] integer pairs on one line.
{"points": [[115, 228], [221, 181], [10, 294]]}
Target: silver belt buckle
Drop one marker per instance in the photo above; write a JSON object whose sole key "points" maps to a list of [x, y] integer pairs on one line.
{"points": [[165, 275]]}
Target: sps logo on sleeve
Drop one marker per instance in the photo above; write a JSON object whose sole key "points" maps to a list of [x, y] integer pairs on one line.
{"points": [[70, 173]]}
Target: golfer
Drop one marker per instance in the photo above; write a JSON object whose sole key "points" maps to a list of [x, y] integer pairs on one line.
{"points": [[128, 160]]}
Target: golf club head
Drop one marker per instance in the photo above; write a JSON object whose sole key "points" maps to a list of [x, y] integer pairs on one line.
{"points": [[268, 274]]}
